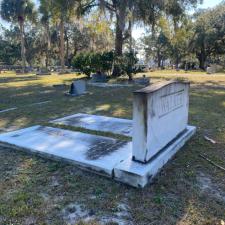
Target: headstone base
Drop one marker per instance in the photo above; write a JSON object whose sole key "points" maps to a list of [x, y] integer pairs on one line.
{"points": [[138, 174], [102, 155], [74, 95]]}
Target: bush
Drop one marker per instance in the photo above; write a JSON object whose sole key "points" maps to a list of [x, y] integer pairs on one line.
{"points": [[126, 64], [82, 62], [93, 62], [103, 62]]}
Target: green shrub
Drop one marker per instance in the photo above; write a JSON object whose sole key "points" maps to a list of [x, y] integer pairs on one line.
{"points": [[103, 62], [82, 62], [126, 64]]}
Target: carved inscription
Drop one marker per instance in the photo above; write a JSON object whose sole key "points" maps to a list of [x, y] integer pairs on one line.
{"points": [[171, 102]]}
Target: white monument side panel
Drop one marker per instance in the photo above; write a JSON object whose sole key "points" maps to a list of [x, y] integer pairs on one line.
{"points": [[167, 117], [139, 127], [160, 115]]}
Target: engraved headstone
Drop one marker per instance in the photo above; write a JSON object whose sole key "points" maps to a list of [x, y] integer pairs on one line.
{"points": [[77, 88], [160, 115]]}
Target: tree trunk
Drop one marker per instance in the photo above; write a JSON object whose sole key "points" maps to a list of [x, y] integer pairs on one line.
{"points": [[202, 59], [48, 45], [177, 61], [23, 50], [62, 45], [118, 47], [158, 58], [119, 38], [67, 48]]}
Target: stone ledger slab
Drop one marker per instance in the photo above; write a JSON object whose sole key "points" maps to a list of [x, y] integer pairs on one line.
{"points": [[95, 153], [98, 123], [139, 174]]}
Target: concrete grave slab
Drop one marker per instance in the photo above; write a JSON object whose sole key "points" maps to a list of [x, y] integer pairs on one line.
{"points": [[40, 103], [98, 123], [8, 110], [108, 85], [139, 174], [95, 153]]}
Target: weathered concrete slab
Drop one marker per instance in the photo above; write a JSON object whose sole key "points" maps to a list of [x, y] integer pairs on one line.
{"points": [[8, 110], [98, 123], [40, 103], [96, 153], [108, 85], [139, 174]]}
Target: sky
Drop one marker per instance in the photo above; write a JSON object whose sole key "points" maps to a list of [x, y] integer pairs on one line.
{"points": [[138, 32]]}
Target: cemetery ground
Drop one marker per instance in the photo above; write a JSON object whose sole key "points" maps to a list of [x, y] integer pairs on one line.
{"points": [[33, 190]]}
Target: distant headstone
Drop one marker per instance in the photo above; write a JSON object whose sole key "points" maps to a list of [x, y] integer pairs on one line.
{"points": [[43, 71], [99, 78], [214, 68], [77, 88], [143, 81], [19, 71], [160, 114]]}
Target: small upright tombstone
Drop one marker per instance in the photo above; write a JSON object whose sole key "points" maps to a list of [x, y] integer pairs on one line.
{"points": [[99, 78], [77, 88], [143, 81], [43, 71], [214, 68], [210, 70], [19, 71]]}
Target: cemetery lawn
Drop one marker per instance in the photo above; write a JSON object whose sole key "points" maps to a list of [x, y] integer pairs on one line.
{"points": [[33, 190]]}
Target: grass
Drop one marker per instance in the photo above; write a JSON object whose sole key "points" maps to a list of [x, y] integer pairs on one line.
{"points": [[33, 190]]}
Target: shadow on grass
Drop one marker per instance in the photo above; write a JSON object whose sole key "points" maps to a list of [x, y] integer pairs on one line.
{"points": [[18, 79]]}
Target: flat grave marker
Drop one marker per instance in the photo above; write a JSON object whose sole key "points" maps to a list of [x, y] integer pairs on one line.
{"points": [[95, 153], [98, 123]]}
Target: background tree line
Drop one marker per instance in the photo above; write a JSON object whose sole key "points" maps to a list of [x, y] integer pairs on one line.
{"points": [[190, 40], [59, 31]]}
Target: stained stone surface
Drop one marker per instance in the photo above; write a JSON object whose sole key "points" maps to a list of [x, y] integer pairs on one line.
{"points": [[98, 123], [160, 114], [96, 153]]}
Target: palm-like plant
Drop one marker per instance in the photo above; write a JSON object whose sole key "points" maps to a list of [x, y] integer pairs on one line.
{"points": [[45, 10], [18, 11], [62, 11]]}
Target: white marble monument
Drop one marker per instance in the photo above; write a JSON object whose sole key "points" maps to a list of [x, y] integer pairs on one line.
{"points": [[160, 114], [160, 129]]}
